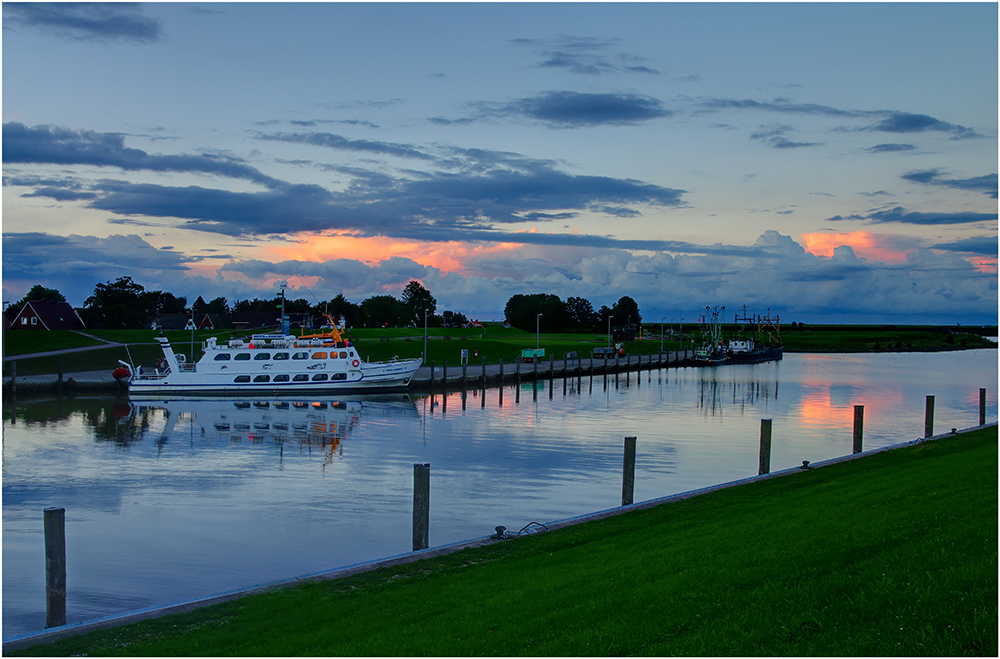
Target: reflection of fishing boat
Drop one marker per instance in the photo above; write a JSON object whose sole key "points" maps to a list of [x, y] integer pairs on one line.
{"points": [[319, 421], [269, 364]]}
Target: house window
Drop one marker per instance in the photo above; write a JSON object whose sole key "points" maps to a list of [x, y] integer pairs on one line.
{"points": [[24, 321], [34, 321]]}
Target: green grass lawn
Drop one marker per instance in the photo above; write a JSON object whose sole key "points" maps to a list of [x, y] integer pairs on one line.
{"points": [[894, 554]]}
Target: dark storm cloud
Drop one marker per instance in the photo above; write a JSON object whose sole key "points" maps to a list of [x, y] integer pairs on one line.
{"points": [[331, 141], [899, 214], [986, 184], [565, 109], [981, 245], [93, 21], [60, 146]]}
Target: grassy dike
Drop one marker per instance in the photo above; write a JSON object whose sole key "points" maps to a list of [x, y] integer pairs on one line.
{"points": [[891, 554]]}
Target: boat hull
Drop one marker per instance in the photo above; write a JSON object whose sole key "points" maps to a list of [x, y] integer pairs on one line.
{"points": [[756, 356]]}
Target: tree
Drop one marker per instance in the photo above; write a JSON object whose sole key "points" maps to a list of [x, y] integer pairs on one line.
{"points": [[39, 293], [381, 310], [522, 312], [454, 319], [418, 300], [165, 303], [120, 304], [626, 312], [581, 313], [341, 306], [217, 306]]}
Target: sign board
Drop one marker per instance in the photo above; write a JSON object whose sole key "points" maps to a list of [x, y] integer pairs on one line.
{"points": [[465, 357]]}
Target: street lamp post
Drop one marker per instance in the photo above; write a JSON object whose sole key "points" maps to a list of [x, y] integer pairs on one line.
{"points": [[661, 332], [538, 326], [609, 331]]}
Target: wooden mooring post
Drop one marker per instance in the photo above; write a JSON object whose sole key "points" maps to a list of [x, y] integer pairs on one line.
{"points": [[765, 447], [628, 472], [982, 406], [929, 417], [421, 505], [859, 428], [55, 567]]}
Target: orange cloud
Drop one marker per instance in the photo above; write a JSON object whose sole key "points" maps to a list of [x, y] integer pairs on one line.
{"points": [[865, 244], [985, 263], [450, 256]]}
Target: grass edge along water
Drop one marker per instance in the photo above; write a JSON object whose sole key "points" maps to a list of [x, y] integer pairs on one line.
{"points": [[892, 554]]}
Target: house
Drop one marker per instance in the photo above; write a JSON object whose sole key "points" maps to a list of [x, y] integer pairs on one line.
{"points": [[176, 321], [45, 316]]}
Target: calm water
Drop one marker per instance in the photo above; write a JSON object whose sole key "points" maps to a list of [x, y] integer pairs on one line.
{"points": [[172, 501]]}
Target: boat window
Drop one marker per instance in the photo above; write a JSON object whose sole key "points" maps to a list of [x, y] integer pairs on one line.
{"points": [[262, 356], [243, 356], [280, 356], [339, 376], [262, 378], [223, 357], [319, 355], [300, 355], [242, 378], [319, 377], [301, 377], [343, 355], [281, 378]]}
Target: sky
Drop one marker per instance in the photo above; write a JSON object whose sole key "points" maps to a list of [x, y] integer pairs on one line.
{"points": [[817, 162]]}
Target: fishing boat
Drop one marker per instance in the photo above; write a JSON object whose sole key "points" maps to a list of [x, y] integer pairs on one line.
{"points": [[711, 351], [758, 340], [272, 364]]}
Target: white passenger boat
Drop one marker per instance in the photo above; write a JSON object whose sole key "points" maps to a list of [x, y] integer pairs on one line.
{"points": [[271, 364]]}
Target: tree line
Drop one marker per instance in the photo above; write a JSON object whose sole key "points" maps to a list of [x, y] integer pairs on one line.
{"points": [[125, 304]]}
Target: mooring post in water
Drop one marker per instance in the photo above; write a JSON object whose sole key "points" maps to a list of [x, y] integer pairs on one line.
{"points": [[982, 406], [444, 376], [501, 371], [432, 375], [929, 417], [765, 447], [628, 472], [859, 427], [465, 366], [59, 367], [484, 373], [421, 505], [55, 567]]}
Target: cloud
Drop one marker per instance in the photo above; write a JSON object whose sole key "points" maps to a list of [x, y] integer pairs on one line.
{"points": [[566, 109], [85, 21], [774, 136], [472, 191], [889, 148], [899, 214], [331, 141], [585, 55], [62, 146], [907, 122], [982, 245], [781, 105], [75, 264], [986, 184]]}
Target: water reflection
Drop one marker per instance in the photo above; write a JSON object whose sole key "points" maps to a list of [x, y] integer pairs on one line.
{"points": [[172, 499]]}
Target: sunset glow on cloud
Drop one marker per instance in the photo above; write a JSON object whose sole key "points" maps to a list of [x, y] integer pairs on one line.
{"points": [[865, 244]]}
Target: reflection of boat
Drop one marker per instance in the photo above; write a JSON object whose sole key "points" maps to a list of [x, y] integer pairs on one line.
{"points": [[317, 421], [269, 364]]}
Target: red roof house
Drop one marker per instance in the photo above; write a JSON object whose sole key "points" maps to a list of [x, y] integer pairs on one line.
{"points": [[46, 316]]}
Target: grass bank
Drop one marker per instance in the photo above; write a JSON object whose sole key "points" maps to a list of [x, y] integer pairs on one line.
{"points": [[893, 554], [492, 342]]}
